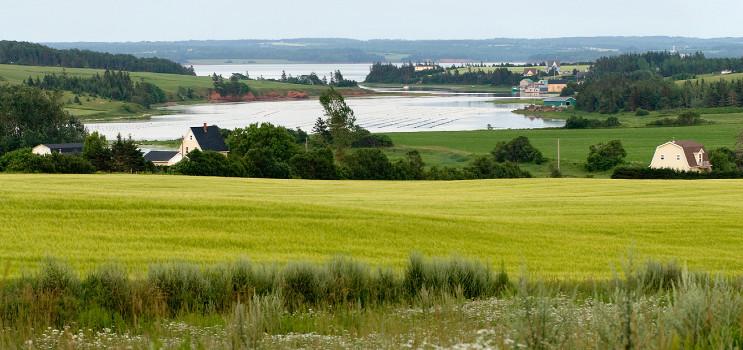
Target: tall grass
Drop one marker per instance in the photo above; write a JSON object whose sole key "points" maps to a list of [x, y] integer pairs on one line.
{"points": [[56, 296], [344, 303]]}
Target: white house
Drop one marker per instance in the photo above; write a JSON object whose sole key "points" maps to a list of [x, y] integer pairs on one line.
{"points": [[63, 148], [681, 156], [203, 138], [164, 158]]}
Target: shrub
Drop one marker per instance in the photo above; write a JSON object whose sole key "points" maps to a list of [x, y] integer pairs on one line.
{"points": [[605, 156], [647, 173], [210, 163], [684, 119], [485, 167], [373, 141], [641, 112], [368, 164], [23, 161], [518, 150], [315, 164], [575, 122], [723, 160]]}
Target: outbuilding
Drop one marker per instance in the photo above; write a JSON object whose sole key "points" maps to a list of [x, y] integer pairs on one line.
{"points": [[560, 102], [62, 148], [163, 158]]}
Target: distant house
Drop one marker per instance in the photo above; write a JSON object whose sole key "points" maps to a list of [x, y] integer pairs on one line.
{"points": [[525, 82], [726, 72], [163, 158], [203, 138], [556, 86], [530, 72], [63, 148], [423, 68], [681, 156], [559, 102]]}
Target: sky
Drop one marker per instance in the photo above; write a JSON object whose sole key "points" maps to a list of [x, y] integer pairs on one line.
{"points": [[168, 20]]}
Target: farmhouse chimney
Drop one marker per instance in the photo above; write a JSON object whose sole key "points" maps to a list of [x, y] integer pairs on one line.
{"points": [[206, 128]]}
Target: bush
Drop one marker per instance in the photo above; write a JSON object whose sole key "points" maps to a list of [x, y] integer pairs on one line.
{"points": [[373, 141], [410, 168], [518, 150], [641, 112], [605, 156], [316, 164], [485, 167], [368, 164], [684, 119], [210, 163], [575, 122], [723, 160], [646, 173], [23, 161]]}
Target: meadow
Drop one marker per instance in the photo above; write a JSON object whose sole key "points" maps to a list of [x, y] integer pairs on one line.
{"points": [[457, 148], [98, 108], [557, 228]]}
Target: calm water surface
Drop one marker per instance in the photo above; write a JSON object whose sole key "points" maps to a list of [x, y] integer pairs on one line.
{"points": [[378, 114]]}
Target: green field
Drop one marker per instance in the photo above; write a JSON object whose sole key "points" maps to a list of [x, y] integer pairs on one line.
{"points": [[714, 77], [568, 228], [455, 148], [105, 109]]}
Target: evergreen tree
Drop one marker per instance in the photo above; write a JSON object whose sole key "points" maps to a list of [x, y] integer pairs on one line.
{"points": [[126, 156], [96, 150]]}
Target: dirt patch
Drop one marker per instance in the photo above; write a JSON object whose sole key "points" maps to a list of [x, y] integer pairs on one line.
{"points": [[268, 96]]}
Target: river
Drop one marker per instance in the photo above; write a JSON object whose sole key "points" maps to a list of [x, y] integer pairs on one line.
{"points": [[378, 114]]}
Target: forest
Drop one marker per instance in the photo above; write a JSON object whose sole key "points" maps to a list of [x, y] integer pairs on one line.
{"points": [[406, 74], [647, 81], [30, 54], [113, 85]]}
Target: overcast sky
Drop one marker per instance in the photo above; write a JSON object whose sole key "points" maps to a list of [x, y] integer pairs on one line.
{"points": [[156, 20]]}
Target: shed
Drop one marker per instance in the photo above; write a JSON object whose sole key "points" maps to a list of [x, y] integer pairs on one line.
{"points": [[562, 102], [163, 158], [62, 148]]}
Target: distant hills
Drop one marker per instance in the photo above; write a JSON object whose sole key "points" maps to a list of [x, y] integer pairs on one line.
{"points": [[360, 51]]}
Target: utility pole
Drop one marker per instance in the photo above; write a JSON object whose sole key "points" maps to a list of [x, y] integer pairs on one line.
{"points": [[558, 154]]}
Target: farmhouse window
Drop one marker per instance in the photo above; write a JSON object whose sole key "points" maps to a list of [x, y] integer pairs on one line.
{"points": [[662, 157], [678, 157]]}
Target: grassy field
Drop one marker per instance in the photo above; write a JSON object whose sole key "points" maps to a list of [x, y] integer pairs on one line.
{"points": [[567, 228], [455, 148], [105, 109], [714, 77]]}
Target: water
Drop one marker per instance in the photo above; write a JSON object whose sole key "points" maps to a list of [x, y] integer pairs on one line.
{"points": [[378, 114], [351, 71]]}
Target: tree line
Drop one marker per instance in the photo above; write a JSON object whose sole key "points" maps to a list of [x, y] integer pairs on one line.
{"points": [[30, 54], [476, 75], [336, 79], [113, 85], [666, 64], [647, 90]]}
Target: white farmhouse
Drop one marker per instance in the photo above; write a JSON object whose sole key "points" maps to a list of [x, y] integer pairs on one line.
{"points": [[203, 138], [681, 156]]}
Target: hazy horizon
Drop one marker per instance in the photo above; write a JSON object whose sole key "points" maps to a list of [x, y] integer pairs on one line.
{"points": [[140, 20]]}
